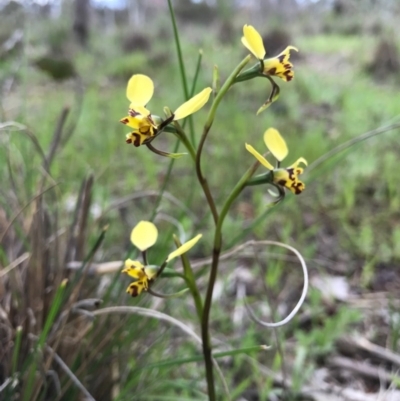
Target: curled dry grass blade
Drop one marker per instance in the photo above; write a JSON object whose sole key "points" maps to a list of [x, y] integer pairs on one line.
{"points": [[302, 297]]}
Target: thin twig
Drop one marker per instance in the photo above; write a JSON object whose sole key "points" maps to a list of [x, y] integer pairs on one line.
{"points": [[362, 368], [353, 344], [14, 264]]}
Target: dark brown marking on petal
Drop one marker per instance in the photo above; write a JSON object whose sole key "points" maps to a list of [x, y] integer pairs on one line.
{"points": [[129, 140], [150, 118], [298, 187], [282, 182], [291, 174], [136, 141], [145, 130], [133, 113], [281, 58], [134, 291], [272, 71], [124, 121], [288, 74]]}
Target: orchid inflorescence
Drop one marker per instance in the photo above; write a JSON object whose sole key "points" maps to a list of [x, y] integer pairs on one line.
{"points": [[146, 126]]}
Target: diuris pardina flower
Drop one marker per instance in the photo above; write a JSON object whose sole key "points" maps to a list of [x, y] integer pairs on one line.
{"points": [[145, 126], [284, 177], [143, 236], [279, 65]]}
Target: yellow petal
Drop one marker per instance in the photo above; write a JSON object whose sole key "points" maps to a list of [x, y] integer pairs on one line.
{"points": [[144, 235], [184, 248], [259, 157], [137, 287], [140, 90], [136, 138], [275, 143], [139, 109], [298, 161], [252, 40], [132, 122], [192, 105], [134, 269]]}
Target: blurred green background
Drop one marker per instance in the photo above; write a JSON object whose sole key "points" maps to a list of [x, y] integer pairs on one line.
{"points": [[66, 173]]}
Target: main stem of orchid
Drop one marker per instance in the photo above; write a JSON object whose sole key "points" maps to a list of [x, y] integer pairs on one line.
{"points": [[207, 126], [218, 220], [207, 347]]}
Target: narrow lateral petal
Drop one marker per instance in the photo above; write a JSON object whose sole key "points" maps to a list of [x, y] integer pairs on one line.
{"points": [[184, 248], [132, 122], [140, 90], [259, 157], [192, 105], [252, 40], [144, 235], [275, 143]]}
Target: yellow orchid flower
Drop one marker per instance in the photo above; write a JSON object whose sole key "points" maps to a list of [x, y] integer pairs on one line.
{"points": [[284, 177], [143, 236], [279, 65], [143, 275], [139, 92]]}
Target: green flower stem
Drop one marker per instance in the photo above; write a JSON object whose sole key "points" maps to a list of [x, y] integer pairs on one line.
{"points": [[191, 281], [210, 119], [183, 137], [213, 275], [265, 178], [250, 73], [228, 83]]}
